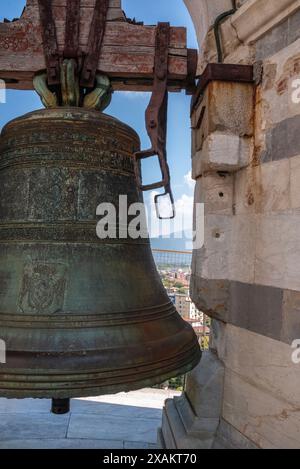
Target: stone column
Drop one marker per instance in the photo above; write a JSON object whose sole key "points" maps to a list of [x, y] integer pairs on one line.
{"points": [[191, 421], [246, 163]]}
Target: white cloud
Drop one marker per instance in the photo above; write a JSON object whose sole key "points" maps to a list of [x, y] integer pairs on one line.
{"points": [[135, 94], [182, 224], [189, 181]]}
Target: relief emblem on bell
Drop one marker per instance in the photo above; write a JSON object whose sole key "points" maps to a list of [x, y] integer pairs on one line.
{"points": [[43, 288]]}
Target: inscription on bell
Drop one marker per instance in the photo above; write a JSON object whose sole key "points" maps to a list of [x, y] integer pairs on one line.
{"points": [[43, 288]]}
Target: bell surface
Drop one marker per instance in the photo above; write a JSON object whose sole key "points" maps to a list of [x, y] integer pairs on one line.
{"points": [[79, 315]]}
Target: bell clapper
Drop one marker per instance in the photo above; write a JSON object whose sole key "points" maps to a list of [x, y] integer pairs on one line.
{"points": [[60, 406], [70, 91]]}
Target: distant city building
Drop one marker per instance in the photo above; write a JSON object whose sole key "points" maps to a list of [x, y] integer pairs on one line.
{"points": [[183, 306], [195, 315], [187, 309], [172, 297], [175, 271]]}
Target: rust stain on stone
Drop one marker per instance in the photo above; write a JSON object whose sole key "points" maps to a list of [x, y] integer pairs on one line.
{"points": [[291, 69], [253, 194], [257, 125], [270, 72]]}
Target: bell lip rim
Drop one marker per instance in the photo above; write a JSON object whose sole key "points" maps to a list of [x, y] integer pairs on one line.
{"points": [[146, 382], [41, 112]]}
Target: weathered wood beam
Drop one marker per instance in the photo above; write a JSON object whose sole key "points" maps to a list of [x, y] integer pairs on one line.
{"points": [[127, 55]]}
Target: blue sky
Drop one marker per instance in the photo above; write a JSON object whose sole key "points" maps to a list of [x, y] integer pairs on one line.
{"points": [[130, 107]]}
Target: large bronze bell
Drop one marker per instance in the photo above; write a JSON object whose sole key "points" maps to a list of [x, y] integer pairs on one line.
{"points": [[80, 315]]}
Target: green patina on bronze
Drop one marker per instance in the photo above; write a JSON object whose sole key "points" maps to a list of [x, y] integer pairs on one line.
{"points": [[69, 93], [80, 316]]}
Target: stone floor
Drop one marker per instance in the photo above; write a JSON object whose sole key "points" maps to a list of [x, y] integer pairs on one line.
{"points": [[126, 420]]}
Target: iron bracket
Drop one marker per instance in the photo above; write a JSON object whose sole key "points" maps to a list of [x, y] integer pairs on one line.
{"points": [[71, 50], [50, 42], [54, 59], [156, 120], [91, 60]]}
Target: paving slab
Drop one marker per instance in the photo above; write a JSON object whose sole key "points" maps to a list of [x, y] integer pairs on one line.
{"points": [[23, 426], [139, 445], [114, 410], [126, 429], [61, 444], [120, 421]]}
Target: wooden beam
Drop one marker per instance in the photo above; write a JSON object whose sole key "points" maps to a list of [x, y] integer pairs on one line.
{"points": [[127, 55]]}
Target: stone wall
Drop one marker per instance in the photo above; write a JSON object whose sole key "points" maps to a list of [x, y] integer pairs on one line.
{"points": [[246, 163]]}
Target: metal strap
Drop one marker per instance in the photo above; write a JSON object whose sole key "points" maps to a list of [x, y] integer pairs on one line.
{"points": [[96, 36], [156, 119], [71, 50], [50, 42]]}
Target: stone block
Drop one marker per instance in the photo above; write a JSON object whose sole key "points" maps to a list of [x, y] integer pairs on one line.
{"points": [[279, 37], [167, 438], [274, 181], [213, 262], [197, 426], [227, 240], [223, 128], [196, 165], [294, 182], [191, 421], [272, 42], [211, 297], [283, 139], [241, 255], [181, 438], [256, 308], [216, 193], [280, 111], [269, 311], [290, 324], [225, 107], [263, 189], [277, 250], [294, 27], [269, 422], [265, 362], [265, 16], [161, 444], [230, 438], [223, 152], [218, 338], [234, 107]]}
